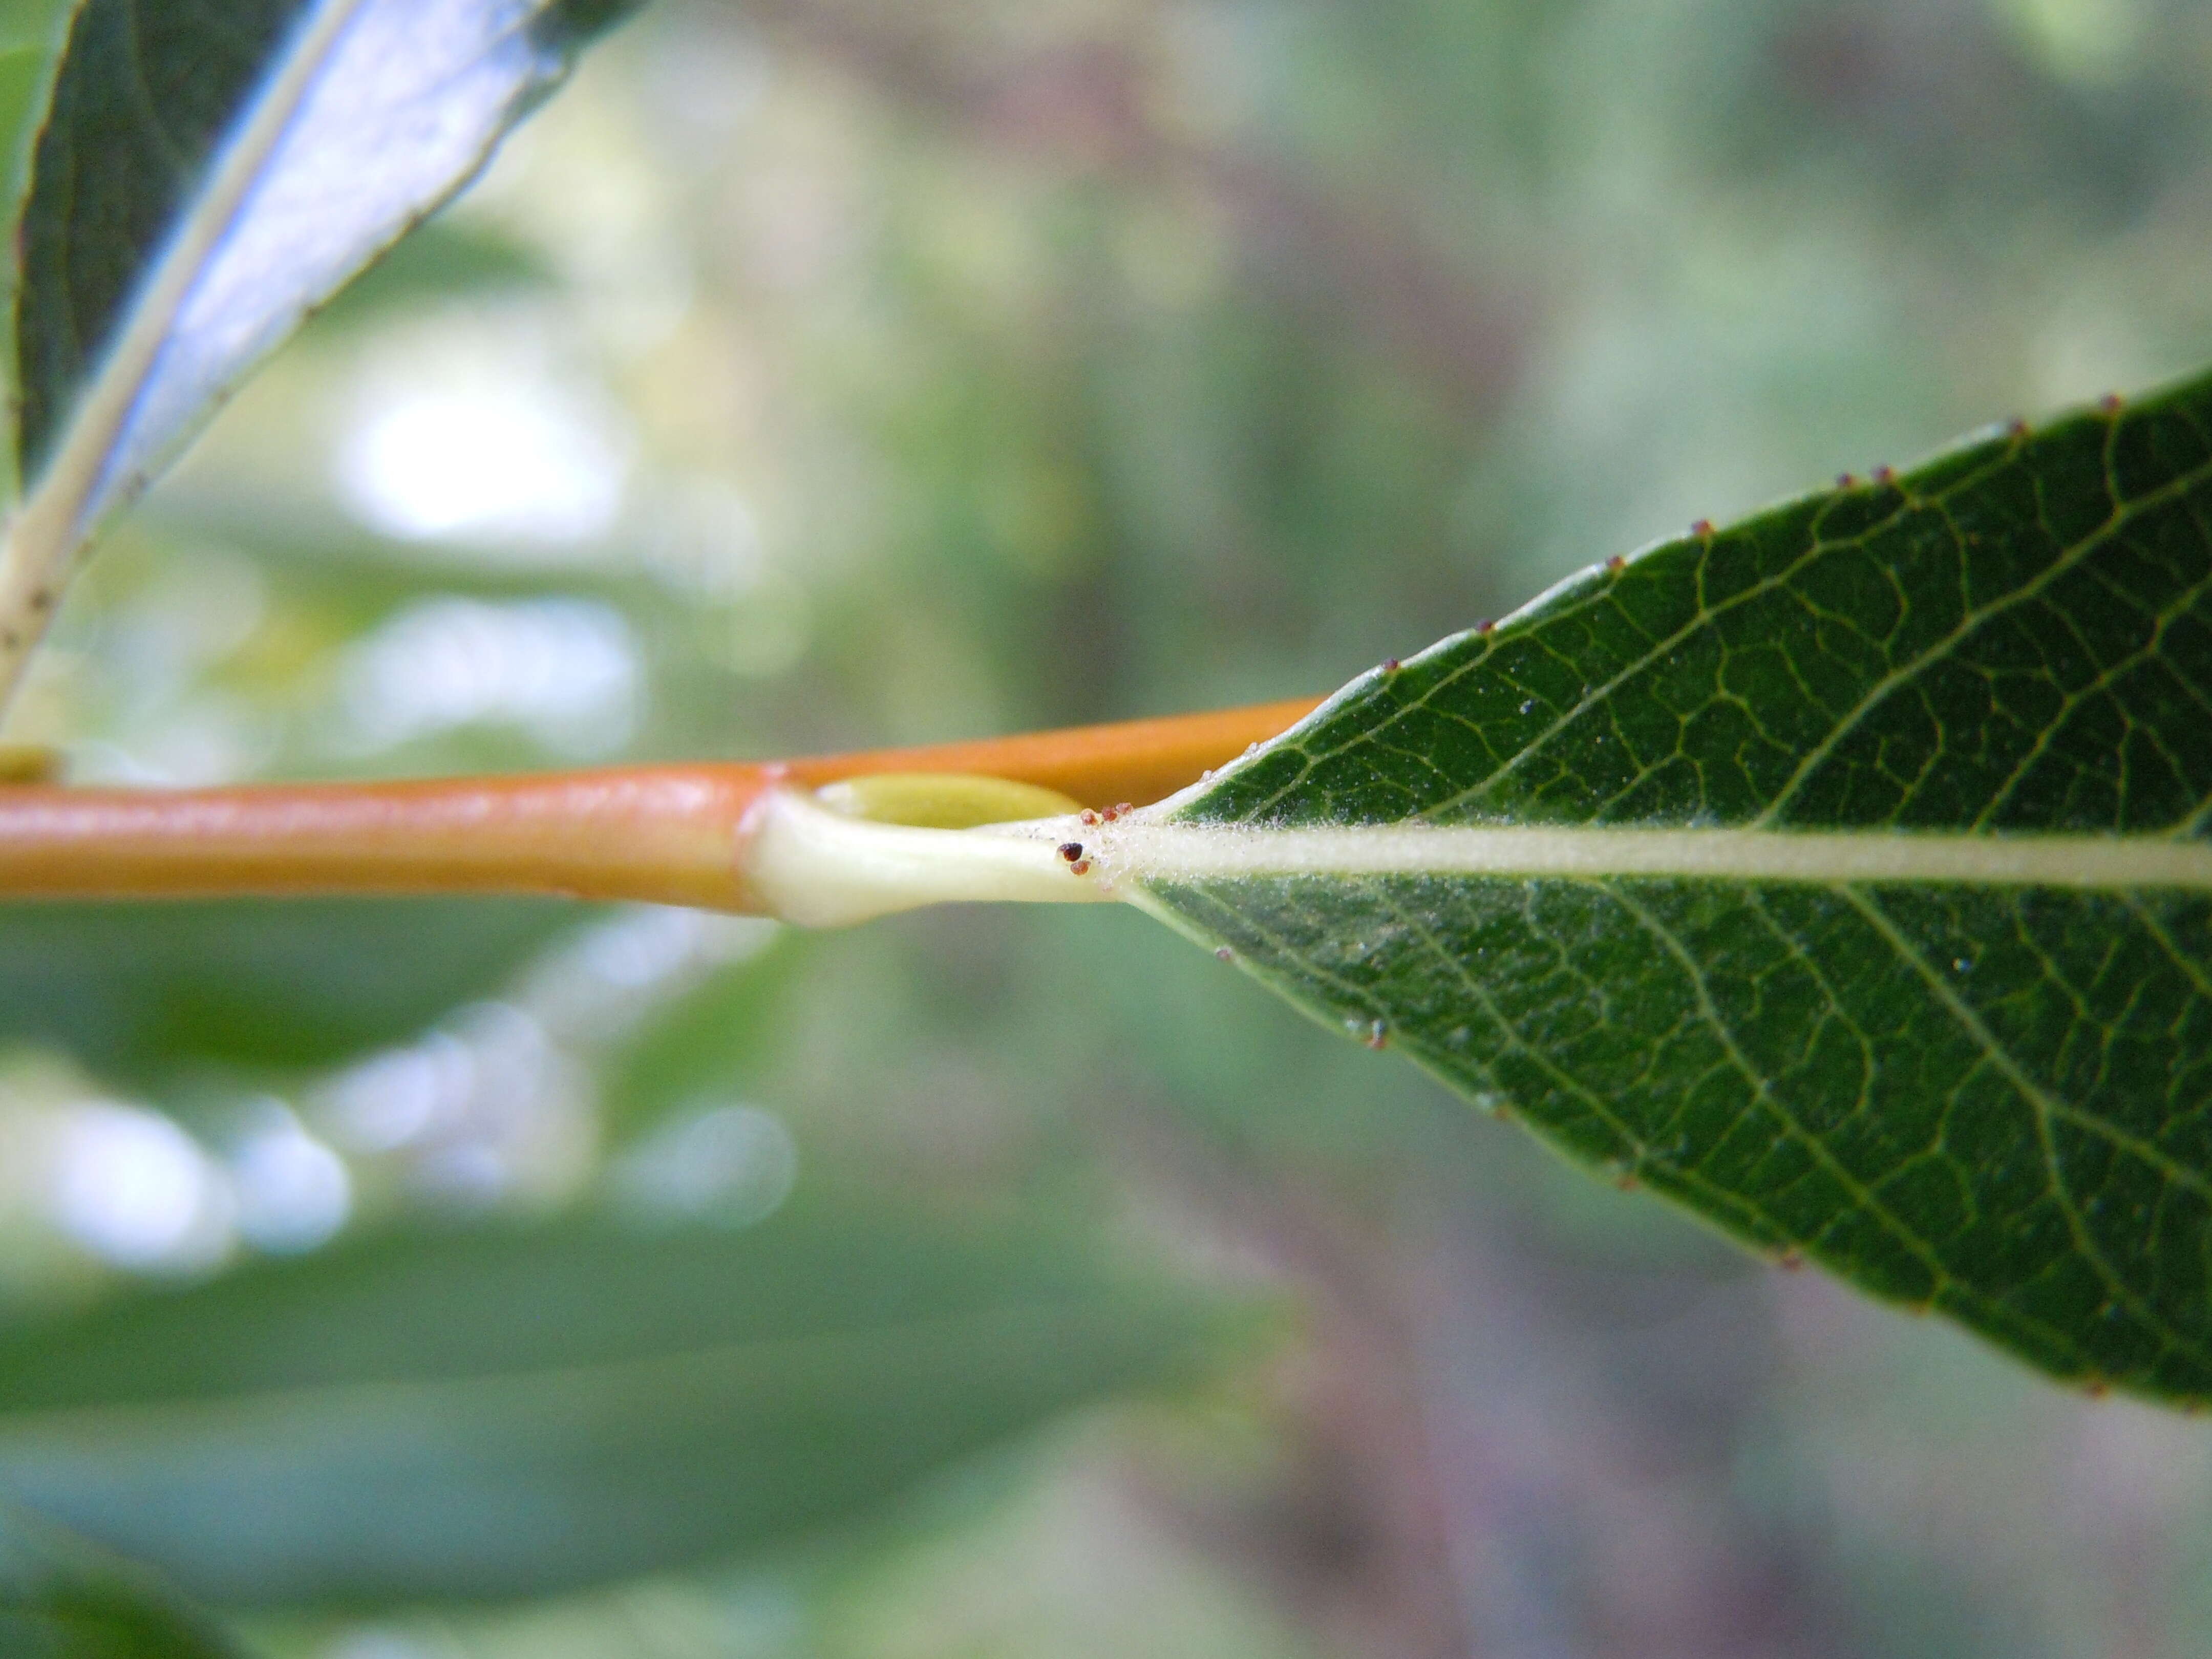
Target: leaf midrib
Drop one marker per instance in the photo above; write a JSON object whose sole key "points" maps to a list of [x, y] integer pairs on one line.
{"points": [[1143, 849]]}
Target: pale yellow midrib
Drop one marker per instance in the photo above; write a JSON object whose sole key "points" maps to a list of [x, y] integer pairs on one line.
{"points": [[812, 865], [1154, 853]]}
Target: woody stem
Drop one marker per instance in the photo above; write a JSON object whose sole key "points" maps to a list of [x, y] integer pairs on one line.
{"points": [[668, 833]]}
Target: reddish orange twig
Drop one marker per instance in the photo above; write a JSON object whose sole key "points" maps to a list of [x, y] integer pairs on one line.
{"points": [[662, 833]]}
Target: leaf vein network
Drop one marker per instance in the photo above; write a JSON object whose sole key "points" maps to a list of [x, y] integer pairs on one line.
{"points": [[2045, 1109]]}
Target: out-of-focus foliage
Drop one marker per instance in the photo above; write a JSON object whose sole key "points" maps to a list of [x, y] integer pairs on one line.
{"points": [[60, 1599], [826, 372], [515, 1411], [251, 985]]}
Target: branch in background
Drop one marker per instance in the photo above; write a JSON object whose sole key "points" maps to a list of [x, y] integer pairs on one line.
{"points": [[1468, 1408], [1353, 1536]]}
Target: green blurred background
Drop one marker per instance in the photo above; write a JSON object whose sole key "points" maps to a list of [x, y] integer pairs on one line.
{"points": [[430, 1280]]}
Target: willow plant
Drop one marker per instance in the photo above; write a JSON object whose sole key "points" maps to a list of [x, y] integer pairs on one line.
{"points": [[1841, 874]]}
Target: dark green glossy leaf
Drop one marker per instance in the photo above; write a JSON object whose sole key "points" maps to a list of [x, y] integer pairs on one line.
{"points": [[1841, 875], [505, 1412], [135, 989], [62, 1599]]}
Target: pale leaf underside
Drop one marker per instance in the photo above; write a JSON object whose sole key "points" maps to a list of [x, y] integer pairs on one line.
{"points": [[206, 175]]}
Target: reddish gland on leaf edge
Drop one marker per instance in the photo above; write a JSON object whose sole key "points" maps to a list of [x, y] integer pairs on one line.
{"points": [[663, 834]]}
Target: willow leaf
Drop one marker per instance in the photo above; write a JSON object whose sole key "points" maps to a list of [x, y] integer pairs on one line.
{"points": [[209, 171], [504, 1412], [1843, 875]]}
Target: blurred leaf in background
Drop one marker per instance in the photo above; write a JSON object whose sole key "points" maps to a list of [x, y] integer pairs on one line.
{"points": [[138, 991], [62, 1599], [516, 1412]]}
